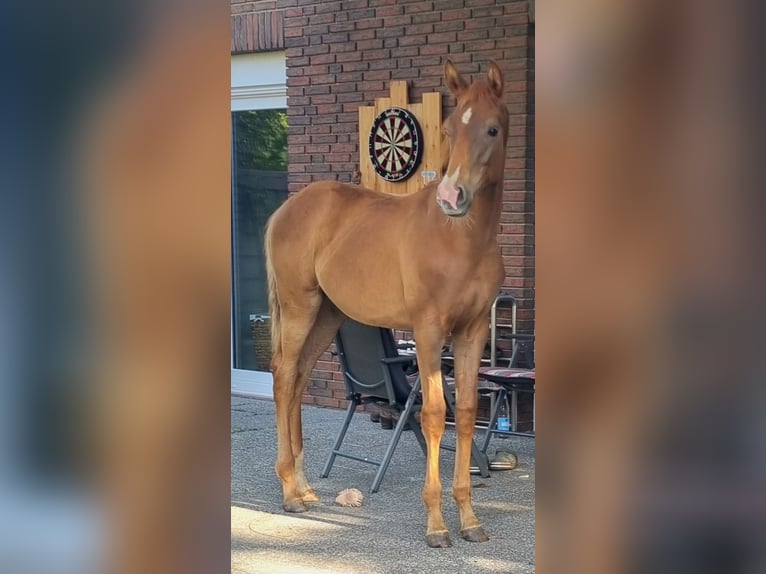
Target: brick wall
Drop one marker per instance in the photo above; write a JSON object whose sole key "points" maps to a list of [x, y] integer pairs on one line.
{"points": [[343, 54], [256, 26]]}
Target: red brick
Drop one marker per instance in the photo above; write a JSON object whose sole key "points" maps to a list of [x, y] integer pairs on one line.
{"points": [[419, 7], [377, 75], [404, 73], [484, 11], [294, 44], [328, 7], [389, 32], [361, 35], [463, 14], [351, 97], [321, 19], [442, 37], [323, 79], [368, 24], [296, 22], [392, 10], [431, 49], [472, 35], [382, 64], [426, 18], [360, 14], [324, 98], [355, 4], [407, 51], [320, 59], [342, 27], [452, 26], [371, 48], [293, 33], [316, 49], [310, 31]]}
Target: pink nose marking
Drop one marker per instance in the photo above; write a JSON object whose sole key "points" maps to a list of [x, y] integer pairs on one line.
{"points": [[448, 190], [449, 193]]}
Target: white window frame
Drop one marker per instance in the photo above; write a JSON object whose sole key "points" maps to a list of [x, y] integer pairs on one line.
{"points": [[258, 82]]}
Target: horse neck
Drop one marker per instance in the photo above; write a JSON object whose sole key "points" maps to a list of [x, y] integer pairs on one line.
{"points": [[486, 209]]}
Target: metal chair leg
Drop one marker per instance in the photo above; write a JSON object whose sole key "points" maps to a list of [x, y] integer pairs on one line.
{"points": [[501, 395], [353, 403], [403, 418]]}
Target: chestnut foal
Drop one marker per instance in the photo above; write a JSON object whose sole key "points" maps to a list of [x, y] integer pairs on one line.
{"points": [[428, 261]]}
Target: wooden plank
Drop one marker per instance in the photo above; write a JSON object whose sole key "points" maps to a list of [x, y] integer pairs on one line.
{"points": [[399, 93], [366, 117], [382, 104], [431, 124], [414, 183]]}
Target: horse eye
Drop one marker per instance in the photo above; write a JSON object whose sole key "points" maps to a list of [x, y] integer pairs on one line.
{"points": [[492, 132]]}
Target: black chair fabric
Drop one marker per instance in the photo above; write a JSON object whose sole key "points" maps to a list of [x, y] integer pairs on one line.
{"points": [[374, 372]]}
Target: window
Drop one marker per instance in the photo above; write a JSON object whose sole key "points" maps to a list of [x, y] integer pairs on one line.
{"points": [[259, 186]]}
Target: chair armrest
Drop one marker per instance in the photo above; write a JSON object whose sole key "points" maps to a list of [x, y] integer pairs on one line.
{"points": [[394, 360], [520, 336]]}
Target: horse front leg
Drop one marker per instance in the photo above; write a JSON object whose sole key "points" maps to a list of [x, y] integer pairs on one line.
{"points": [[468, 345], [429, 346]]}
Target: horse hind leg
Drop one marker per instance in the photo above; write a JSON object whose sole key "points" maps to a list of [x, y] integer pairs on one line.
{"points": [[325, 327], [296, 323]]}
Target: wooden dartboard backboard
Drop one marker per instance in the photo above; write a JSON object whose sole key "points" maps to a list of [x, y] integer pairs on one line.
{"points": [[428, 117]]}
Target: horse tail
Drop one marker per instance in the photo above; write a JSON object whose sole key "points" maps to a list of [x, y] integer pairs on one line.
{"points": [[274, 312]]}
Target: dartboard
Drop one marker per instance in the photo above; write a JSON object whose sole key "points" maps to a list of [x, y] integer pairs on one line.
{"points": [[396, 144]]}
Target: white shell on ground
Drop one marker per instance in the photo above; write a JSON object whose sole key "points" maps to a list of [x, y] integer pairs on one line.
{"points": [[350, 497]]}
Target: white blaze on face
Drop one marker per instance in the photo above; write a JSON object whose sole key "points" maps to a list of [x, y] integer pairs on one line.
{"points": [[447, 190], [466, 116]]}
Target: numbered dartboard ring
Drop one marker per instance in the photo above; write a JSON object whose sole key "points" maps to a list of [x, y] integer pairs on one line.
{"points": [[396, 144]]}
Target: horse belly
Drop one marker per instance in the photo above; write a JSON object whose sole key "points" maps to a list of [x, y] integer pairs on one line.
{"points": [[365, 285]]}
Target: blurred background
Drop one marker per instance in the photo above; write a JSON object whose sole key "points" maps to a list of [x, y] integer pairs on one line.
{"points": [[649, 269], [115, 290], [115, 294]]}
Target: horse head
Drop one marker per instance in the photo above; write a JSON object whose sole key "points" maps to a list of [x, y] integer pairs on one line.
{"points": [[476, 132]]}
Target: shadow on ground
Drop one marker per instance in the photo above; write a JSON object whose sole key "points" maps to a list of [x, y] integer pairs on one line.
{"points": [[386, 534]]}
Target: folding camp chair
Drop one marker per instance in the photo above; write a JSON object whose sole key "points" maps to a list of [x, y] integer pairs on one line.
{"points": [[511, 380], [373, 372]]}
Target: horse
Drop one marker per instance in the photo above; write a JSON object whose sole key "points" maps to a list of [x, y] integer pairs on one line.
{"points": [[427, 262]]}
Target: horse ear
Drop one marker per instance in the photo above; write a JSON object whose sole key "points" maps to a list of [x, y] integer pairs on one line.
{"points": [[495, 77], [455, 81]]}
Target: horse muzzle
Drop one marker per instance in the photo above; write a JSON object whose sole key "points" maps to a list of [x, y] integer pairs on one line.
{"points": [[453, 200]]}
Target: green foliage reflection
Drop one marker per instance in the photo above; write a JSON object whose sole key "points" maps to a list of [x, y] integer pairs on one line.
{"points": [[261, 139]]}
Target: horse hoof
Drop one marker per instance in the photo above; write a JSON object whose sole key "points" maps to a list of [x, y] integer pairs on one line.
{"points": [[310, 496], [439, 539], [294, 506], [475, 534]]}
